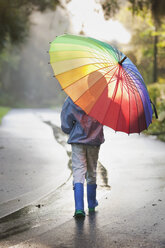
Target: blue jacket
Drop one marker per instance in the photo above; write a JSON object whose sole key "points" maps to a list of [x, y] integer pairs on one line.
{"points": [[82, 129]]}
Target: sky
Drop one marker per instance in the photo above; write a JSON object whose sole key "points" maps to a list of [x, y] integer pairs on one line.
{"points": [[88, 17]]}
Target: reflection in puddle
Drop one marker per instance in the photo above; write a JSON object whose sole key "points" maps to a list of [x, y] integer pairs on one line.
{"points": [[15, 225], [103, 174], [61, 138], [15, 230]]}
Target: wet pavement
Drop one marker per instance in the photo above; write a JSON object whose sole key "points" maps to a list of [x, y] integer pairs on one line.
{"points": [[131, 193], [29, 159]]}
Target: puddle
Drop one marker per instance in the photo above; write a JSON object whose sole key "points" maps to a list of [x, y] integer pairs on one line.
{"points": [[16, 215], [61, 138], [18, 222], [103, 174]]}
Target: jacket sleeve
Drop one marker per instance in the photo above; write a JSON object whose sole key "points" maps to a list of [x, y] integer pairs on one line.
{"points": [[67, 118]]}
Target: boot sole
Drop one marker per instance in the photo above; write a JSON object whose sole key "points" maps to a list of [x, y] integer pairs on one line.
{"points": [[79, 214]]}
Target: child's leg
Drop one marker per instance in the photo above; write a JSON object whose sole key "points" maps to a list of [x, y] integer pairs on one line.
{"points": [[92, 158], [79, 168], [79, 163]]}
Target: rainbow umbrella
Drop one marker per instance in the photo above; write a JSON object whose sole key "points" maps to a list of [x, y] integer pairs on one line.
{"points": [[102, 81]]}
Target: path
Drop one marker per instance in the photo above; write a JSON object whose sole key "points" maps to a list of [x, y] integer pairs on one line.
{"points": [[130, 213]]}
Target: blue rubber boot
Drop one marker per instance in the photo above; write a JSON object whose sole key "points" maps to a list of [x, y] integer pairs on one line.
{"points": [[91, 196], [79, 200]]}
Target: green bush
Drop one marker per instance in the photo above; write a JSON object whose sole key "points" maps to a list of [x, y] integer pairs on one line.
{"points": [[157, 95], [3, 112], [154, 93]]}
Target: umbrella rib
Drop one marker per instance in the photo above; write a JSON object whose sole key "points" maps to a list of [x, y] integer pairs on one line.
{"points": [[134, 76], [104, 61], [142, 94], [86, 75], [85, 65], [120, 102], [110, 101], [80, 58], [131, 84], [124, 76], [130, 111], [129, 79], [103, 46], [92, 86], [99, 47], [97, 54]]}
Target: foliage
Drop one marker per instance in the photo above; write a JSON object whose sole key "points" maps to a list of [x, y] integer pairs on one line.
{"points": [[141, 47], [13, 23], [156, 11], [157, 94], [154, 92], [3, 112], [14, 30], [157, 8], [137, 7], [14, 18], [110, 8], [142, 41]]}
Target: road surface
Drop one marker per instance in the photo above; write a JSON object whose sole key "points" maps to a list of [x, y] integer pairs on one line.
{"points": [[131, 188]]}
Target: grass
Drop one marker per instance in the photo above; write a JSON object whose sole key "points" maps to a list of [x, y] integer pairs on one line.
{"points": [[3, 112]]}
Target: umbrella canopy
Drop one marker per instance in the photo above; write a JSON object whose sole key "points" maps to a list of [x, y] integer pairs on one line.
{"points": [[102, 81]]}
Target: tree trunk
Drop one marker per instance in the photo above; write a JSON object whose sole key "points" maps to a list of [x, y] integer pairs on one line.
{"points": [[155, 63]]}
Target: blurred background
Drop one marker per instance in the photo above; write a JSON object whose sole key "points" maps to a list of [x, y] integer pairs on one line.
{"points": [[136, 27]]}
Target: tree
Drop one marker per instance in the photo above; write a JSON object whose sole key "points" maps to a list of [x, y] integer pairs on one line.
{"points": [[14, 18], [157, 10], [110, 7], [14, 28], [140, 48]]}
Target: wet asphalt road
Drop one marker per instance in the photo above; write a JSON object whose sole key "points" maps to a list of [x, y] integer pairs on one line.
{"points": [[131, 194], [28, 155]]}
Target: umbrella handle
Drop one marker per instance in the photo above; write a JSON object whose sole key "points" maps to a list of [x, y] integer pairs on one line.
{"points": [[121, 61], [154, 107]]}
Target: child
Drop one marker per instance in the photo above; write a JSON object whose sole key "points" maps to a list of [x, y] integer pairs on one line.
{"points": [[85, 136]]}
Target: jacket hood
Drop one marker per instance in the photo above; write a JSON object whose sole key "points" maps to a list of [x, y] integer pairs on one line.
{"points": [[73, 104]]}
